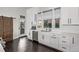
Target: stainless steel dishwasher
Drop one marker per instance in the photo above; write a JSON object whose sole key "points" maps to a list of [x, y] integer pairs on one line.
{"points": [[35, 35]]}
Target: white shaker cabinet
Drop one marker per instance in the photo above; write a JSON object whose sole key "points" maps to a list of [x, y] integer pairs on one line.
{"points": [[44, 38], [74, 15], [69, 15], [75, 45], [54, 40], [41, 37], [64, 15], [49, 39], [66, 41]]}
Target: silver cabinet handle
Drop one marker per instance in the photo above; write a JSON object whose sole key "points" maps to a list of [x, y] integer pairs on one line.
{"points": [[70, 20], [73, 40], [53, 37], [64, 41]]}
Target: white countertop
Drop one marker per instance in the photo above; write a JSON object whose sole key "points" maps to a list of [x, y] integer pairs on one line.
{"points": [[1, 48]]}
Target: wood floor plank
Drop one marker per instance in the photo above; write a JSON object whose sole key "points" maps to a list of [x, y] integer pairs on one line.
{"points": [[25, 45]]}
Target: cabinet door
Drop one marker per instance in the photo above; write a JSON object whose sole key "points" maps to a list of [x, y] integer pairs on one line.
{"points": [[65, 42], [54, 41], [74, 15], [44, 38], [76, 39], [41, 37], [64, 15], [75, 43], [47, 39]]}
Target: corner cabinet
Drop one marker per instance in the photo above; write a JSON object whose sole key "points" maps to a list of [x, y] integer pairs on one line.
{"points": [[69, 42]]}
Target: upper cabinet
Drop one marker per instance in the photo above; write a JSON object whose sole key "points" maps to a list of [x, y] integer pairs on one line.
{"points": [[74, 15], [70, 15], [64, 15]]}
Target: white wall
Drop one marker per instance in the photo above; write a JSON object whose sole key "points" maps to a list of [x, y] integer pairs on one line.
{"points": [[30, 16], [13, 12]]}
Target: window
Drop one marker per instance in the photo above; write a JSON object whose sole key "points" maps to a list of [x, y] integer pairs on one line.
{"points": [[57, 17], [48, 23], [57, 22]]}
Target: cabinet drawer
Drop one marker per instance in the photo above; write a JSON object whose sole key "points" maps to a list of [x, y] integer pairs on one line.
{"points": [[64, 47], [66, 42], [66, 37]]}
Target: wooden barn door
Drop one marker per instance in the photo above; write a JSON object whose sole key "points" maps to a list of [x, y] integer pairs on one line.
{"points": [[1, 27], [8, 29]]}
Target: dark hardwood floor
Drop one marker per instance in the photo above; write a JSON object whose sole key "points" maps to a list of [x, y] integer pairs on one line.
{"points": [[25, 45]]}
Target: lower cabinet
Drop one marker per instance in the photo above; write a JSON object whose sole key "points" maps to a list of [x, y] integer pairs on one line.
{"points": [[75, 44], [48, 39], [54, 41], [67, 42], [40, 37], [43, 38]]}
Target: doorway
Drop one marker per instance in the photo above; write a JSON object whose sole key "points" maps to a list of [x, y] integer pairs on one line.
{"points": [[22, 26]]}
